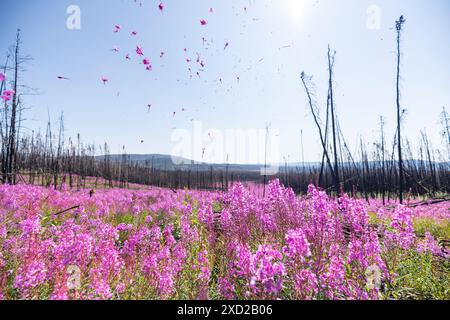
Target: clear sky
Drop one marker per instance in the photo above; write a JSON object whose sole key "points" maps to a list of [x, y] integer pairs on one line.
{"points": [[269, 43]]}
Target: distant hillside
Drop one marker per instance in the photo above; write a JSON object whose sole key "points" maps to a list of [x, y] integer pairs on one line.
{"points": [[166, 162]]}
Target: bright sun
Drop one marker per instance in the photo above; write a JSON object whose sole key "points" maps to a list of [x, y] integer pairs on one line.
{"points": [[296, 9]]}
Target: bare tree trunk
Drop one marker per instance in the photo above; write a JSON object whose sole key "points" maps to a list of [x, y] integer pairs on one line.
{"points": [[330, 83], [399, 25], [383, 164], [12, 136], [303, 77]]}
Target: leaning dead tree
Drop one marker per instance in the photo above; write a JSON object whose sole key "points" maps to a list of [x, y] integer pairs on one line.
{"points": [[306, 80], [399, 25], [330, 113]]}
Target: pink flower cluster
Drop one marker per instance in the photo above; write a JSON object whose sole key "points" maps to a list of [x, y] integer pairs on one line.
{"points": [[157, 244]]}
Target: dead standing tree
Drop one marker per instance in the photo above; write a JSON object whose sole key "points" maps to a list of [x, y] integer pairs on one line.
{"points": [[12, 119], [445, 130], [331, 59], [398, 26], [306, 82], [11, 149], [330, 108]]}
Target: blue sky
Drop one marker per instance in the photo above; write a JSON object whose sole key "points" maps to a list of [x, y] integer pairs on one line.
{"points": [[270, 43]]}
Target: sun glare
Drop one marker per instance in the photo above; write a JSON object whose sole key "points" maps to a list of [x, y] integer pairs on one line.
{"points": [[296, 9]]}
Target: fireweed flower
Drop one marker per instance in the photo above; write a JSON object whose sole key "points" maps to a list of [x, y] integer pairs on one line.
{"points": [[429, 244], [266, 271], [297, 246], [402, 224]]}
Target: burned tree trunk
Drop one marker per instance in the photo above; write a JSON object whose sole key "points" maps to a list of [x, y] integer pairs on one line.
{"points": [[333, 118], [399, 24]]}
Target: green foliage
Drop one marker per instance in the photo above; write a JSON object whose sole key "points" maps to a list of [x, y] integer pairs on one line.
{"points": [[439, 229], [421, 277]]}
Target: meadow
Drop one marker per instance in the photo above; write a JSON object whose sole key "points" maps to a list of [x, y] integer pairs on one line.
{"points": [[154, 243]]}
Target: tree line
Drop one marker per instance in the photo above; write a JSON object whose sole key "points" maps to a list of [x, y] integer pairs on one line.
{"points": [[387, 168]]}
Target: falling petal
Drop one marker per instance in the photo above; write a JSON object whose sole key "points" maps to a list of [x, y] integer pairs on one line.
{"points": [[139, 51], [2, 77], [203, 22], [7, 95]]}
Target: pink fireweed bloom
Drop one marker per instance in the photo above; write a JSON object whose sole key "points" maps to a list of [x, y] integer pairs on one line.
{"points": [[134, 33], [297, 245], [429, 244], [161, 6], [203, 22], [117, 28], [104, 79]]}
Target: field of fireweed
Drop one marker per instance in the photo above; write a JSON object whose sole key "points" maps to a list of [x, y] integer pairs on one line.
{"points": [[165, 244]]}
